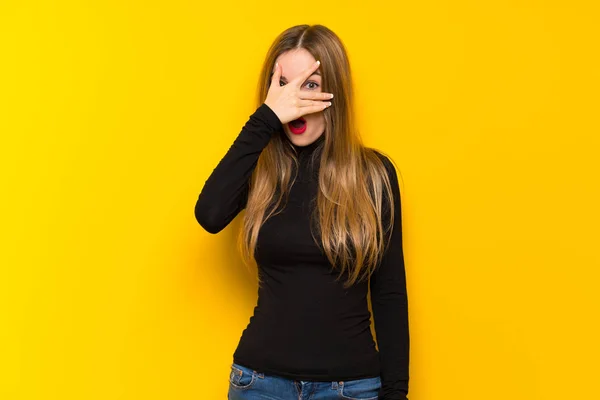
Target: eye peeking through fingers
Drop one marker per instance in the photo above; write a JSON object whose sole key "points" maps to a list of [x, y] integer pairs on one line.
{"points": [[315, 84]]}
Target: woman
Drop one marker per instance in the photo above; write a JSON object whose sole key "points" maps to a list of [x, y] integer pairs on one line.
{"points": [[319, 223]]}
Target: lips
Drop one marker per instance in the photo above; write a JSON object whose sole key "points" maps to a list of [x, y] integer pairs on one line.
{"points": [[297, 126]]}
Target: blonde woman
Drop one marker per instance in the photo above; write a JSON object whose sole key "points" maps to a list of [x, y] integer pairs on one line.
{"points": [[320, 224]]}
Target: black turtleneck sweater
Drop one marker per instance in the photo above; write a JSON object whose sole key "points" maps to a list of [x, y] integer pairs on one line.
{"points": [[305, 325]]}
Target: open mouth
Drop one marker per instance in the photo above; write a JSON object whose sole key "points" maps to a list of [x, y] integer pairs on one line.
{"points": [[297, 126]]}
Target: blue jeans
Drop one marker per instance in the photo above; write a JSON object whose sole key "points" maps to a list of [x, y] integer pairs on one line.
{"points": [[248, 384]]}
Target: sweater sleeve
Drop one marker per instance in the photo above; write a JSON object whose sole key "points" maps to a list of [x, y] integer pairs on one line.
{"points": [[389, 301], [225, 192]]}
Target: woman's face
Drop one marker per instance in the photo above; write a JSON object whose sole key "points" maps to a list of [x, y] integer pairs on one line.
{"points": [[293, 63]]}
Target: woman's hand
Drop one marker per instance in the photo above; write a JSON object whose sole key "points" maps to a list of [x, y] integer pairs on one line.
{"points": [[289, 102]]}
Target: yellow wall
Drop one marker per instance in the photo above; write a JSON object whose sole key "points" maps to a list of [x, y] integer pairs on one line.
{"points": [[113, 114]]}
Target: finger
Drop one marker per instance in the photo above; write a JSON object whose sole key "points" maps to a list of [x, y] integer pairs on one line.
{"points": [[306, 74], [313, 103], [303, 94], [316, 108], [276, 75]]}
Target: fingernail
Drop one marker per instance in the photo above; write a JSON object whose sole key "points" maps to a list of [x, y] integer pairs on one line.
{"points": [[318, 62], [331, 96]]}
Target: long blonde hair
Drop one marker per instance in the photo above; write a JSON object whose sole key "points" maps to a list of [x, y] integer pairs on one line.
{"points": [[353, 179]]}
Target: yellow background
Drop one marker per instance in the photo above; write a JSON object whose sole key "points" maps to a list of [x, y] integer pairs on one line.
{"points": [[114, 113]]}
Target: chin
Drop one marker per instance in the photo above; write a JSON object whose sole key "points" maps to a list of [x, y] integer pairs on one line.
{"points": [[299, 140]]}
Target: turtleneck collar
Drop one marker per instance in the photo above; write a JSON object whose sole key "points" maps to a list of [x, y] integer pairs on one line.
{"points": [[309, 148], [308, 165]]}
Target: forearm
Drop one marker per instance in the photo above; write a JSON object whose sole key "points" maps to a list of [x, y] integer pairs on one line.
{"points": [[225, 191]]}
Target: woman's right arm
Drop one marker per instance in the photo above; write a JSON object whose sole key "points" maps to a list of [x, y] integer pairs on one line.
{"points": [[225, 192]]}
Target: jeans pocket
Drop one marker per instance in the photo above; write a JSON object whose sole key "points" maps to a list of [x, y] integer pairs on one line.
{"points": [[241, 377], [360, 389]]}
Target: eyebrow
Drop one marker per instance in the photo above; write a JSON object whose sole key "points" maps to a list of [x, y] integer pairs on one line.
{"points": [[317, 72]]}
